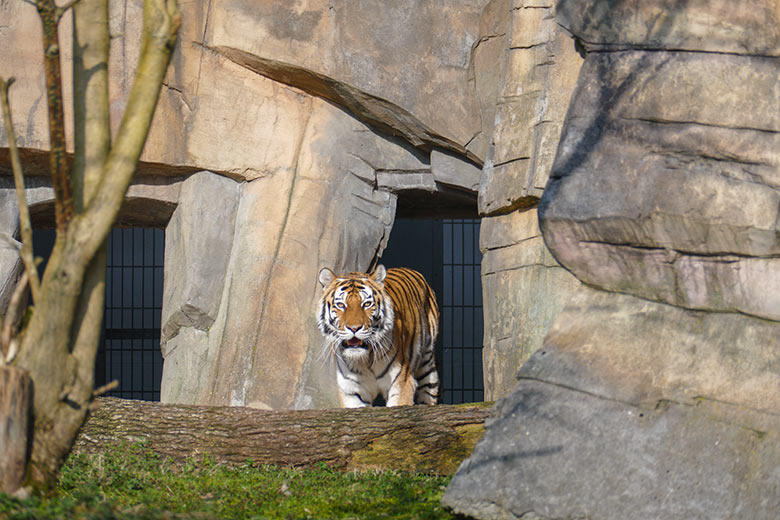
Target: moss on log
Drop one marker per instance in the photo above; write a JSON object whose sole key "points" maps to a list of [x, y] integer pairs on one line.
{"points": [[429, 439]]}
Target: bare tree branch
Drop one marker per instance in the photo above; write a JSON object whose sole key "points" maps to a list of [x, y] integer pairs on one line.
{"points": [[61, 10], [161, 21], [13, 350], [63, 201], [92, 143], [105, 388], [26, 252]]}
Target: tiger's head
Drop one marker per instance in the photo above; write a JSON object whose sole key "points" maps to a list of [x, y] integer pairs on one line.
{"points": [[355, 313]]}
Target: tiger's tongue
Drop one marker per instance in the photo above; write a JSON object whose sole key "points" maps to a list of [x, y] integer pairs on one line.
{"points": [[354, 342]]}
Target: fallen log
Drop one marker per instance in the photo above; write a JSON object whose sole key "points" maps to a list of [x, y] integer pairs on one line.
{"points": [[428, 439]]}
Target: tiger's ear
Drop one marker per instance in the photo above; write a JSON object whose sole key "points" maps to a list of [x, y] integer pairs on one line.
{"points": [[326, 276], [379, 273]]}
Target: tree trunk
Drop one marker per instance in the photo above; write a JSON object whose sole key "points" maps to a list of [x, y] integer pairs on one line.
{"points": [[15, 423], [59, 343], [430, 439]]}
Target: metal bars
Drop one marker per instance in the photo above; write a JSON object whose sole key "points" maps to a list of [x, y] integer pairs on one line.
{"points": [[130, 350], [461, 312], [447, 253]]}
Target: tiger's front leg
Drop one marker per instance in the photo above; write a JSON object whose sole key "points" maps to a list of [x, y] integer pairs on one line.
{"points": [[352, 394], [351, 400], [402, 389]]}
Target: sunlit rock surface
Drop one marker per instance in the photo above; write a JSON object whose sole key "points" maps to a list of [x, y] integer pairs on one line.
{"points": [[655, 393], [288, 137]]}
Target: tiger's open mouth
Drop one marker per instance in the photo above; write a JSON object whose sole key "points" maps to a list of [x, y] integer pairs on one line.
{"points": [[352, 343]]}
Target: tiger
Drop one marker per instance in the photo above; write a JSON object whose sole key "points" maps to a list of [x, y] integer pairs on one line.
{"points": [[380, 330]]}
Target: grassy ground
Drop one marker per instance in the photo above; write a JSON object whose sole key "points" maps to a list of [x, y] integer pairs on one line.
{"points": [[132, 483]]}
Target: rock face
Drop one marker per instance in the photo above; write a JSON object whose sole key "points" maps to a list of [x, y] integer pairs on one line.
{"points": [[538, 73], [681, 231], [655, 393], [364, 58], [421, 88], [538, 70], [288, 138], [634, 409], [533, 288]]}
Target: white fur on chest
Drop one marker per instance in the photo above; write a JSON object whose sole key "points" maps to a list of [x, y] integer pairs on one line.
{"points": [[360, 383]]}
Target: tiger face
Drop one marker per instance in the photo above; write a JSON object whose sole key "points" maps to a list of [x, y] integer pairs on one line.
{"points": [[355, 314]]}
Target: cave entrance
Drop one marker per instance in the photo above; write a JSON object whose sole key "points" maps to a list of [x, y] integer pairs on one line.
{"points": [[129, 349], [446, 252]]}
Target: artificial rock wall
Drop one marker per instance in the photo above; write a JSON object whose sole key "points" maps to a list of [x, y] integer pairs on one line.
{"points": [[287, 138], [655, 393], [524, 287]]}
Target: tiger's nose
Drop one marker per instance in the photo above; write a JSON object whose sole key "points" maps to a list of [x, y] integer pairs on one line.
{"points": [[354, 330]]}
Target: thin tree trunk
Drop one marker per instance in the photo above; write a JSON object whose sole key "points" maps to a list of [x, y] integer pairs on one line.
{"points": [[92, 138], [63, 201], [431, 439], [59, 343], [15, 426]]}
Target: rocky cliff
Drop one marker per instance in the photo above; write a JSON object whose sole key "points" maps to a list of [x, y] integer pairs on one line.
{"points": [[288, 137], [655, 393]]}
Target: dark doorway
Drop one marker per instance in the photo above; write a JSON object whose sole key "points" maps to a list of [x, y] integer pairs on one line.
{"points": [[446, 252], [129, 350]]}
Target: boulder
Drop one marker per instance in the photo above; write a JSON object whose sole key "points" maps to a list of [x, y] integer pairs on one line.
{"points": [[655, 392], [633, 409], [196, 266], [198, 245], [679, 231]]}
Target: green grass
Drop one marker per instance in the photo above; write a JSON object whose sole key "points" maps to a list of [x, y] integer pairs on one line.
{"points": [[133, 483]]}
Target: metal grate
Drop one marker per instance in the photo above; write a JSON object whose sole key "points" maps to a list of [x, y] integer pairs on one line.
{"points": [[461, 313], [447, 253], [130, 350]]}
